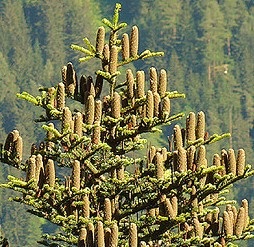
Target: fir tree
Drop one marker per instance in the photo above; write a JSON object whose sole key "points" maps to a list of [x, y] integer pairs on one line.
{"points": [[112, 195]]}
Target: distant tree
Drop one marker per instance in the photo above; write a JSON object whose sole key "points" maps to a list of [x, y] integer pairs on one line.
{"points": [[111, 194], [54, 24], [17, 47], [81, 17], [230, 9], [214, 36], [7, 79]]}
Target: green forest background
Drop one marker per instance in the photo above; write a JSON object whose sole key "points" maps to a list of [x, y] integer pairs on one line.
{"points": [[209, 56]]}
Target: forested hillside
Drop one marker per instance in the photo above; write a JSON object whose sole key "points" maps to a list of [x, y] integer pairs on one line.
{"points": [[208, 49]]}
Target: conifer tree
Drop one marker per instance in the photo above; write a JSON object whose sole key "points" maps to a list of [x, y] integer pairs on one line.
{"points": [[110, 194]]}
